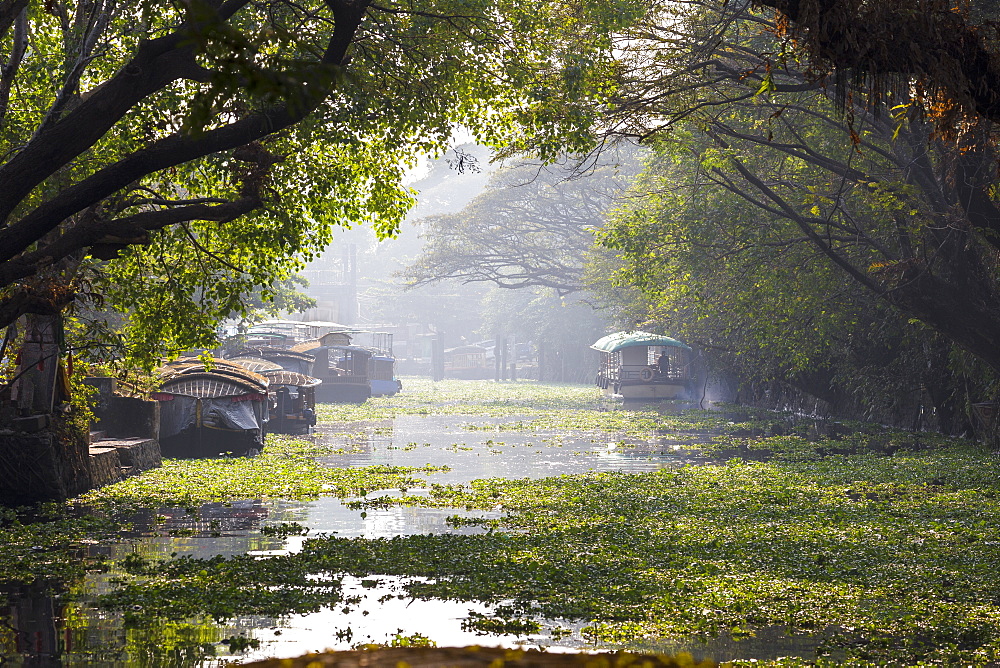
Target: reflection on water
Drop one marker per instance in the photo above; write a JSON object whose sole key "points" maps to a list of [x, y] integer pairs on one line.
{"points": [[38, 629], [32, 615], [382, 613], [481, 453], [44, 627]]}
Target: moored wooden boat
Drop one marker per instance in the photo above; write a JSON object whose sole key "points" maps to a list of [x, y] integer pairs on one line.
{"points": [[342, 367], [211, 412], [293, 401], [639, 366]]}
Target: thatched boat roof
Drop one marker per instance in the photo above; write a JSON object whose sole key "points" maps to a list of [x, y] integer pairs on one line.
{"points": [[269, 353], [210, 384], [256, 364], [282, 377], [189, 377]]}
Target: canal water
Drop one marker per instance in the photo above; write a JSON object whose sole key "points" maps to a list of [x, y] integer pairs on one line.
{"points": [[40, 628]]}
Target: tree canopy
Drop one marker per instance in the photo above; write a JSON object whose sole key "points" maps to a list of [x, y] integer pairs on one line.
{"points": [[175, 156], [786, 211], [532, 227], [938, 55]]}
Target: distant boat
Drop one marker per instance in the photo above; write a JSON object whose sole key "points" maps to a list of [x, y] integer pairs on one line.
{"points": [[293, 401], [644, 366], [344, 372], [382, 375], [359, 364], [468, 362], [342, 367], [292, 395], [352, 373], [382, 365], [211, 413]]}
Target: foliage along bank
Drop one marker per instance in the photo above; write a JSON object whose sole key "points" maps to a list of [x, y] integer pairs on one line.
{"points": [[820, 249]]}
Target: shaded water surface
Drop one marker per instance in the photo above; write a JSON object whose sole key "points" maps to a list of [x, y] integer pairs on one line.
{"points": [[53, 624]]}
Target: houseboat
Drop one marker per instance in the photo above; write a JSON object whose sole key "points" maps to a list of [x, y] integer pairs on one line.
{"points": [[468, 362], [292, 396], [382, 375], [342, 367], [344, 372], [292, 401], [639, 366], [211, 412], [382, 365]]}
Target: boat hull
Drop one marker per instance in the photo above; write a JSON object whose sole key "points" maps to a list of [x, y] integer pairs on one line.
{"points": [[294, 424], [631, 391], [343, 393], [195, 443], [385, 388]]}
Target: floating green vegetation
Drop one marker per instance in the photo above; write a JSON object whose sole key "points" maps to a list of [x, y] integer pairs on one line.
{"points": [[51, 542], [887, 558], [286, 469], [792, 447], [218, 588], [47, 545], [532, 406], [880, 544], [421, 396], [897, 553], [401, 640]]}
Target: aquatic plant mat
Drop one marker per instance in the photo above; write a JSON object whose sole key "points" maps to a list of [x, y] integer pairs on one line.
{"points": [[749, 537]]}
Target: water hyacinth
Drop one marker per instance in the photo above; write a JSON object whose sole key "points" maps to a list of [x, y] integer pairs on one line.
{"points": [[861, 544]]}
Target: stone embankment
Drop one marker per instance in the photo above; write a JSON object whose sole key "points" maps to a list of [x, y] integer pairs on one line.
{"points": [[114, 459], [43, 459]]}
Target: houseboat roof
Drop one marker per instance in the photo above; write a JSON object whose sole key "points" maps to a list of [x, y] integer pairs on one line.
{"points": [[270, 353], [211, 384], [257, 364], [283, 377], [306, 346], [189, 377], [354, 349], [329, 339], [612, 343], [192, 365]]}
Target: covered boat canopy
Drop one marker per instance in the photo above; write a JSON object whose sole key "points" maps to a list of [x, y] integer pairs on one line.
{"points": [[257, 364], [282, 377], [222, 371], [271, 353], [307, 346], [210, 385], [612, 343]]}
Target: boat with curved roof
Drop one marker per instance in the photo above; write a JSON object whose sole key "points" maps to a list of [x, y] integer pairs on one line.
{"points": [[293, 401], [642, 366], [210, 411]]}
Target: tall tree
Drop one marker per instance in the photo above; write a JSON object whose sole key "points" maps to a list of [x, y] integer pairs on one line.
{"points": [[906, 213], [769, 309], [532, 227], [208, 145]]}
